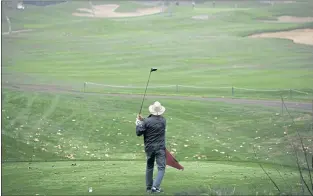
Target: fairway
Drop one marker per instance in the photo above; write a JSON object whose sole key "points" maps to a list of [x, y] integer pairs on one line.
{"points": [[204, 57], [73, 75]]}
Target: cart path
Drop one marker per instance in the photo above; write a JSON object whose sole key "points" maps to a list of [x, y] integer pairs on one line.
{"points": [[305, 106]]}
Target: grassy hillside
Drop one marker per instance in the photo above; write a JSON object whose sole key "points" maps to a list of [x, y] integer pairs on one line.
{"points": [[49, 128], [207, 53]]}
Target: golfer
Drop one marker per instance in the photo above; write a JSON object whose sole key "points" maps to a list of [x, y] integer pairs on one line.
{"points": [[153, 130]]}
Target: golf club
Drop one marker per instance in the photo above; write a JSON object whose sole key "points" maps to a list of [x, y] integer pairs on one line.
{"points": [[152, 70]]}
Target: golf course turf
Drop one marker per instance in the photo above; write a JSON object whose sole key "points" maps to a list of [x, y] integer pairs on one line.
{"points": [[72, 87]]}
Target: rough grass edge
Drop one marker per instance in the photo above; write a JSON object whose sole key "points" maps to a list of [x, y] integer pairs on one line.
{"points": [[279, 29]]}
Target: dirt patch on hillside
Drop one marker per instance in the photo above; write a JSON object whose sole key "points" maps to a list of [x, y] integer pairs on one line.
{"points": [[290, 19], [300, 36], [203, 17], [108, 11]]}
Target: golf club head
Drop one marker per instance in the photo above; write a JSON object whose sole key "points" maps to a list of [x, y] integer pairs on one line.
{"points": [[153, 69]]}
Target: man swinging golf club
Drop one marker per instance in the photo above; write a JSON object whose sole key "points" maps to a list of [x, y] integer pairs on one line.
{"points": [[153, 130]]}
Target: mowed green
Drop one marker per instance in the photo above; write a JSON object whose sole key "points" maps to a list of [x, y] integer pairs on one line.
{"points": [[49, 132], [207, 53]]}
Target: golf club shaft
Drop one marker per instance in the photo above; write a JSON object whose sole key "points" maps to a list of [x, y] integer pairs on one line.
{"points": [[145, 93]]}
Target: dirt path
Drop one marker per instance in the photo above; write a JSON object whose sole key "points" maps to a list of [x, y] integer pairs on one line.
{"points": [[68, 90]]}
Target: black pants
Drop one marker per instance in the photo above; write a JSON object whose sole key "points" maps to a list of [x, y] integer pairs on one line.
{"points": [[159, 156]]}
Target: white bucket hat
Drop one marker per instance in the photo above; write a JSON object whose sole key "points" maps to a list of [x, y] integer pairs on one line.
{"points": [[156, 109]]}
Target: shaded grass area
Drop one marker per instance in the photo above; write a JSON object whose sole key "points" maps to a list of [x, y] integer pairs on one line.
{"points": [[302, 8]]}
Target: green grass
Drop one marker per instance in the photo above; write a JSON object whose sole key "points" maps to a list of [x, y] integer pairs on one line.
{"points": [[127, 178], [41, 132], [49, 128], [301, 9], [223, 92], [27, 116], [212, 53]]}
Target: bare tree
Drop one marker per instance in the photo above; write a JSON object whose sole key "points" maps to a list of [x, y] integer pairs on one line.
{"points": [[9, 24], [92, 8]]}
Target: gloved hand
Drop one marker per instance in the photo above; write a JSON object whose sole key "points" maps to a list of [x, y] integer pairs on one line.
{"points": [[139, 120]]}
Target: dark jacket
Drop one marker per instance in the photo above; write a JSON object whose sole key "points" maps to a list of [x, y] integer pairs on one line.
{"points": [[153, 131]]}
